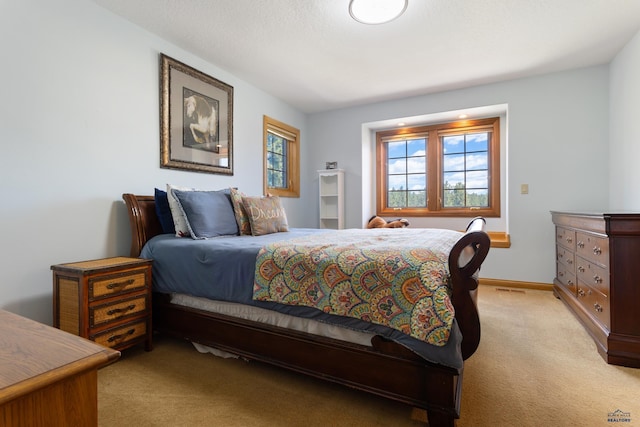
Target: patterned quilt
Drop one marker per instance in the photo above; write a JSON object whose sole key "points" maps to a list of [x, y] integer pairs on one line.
{"points": [[397, 278]]}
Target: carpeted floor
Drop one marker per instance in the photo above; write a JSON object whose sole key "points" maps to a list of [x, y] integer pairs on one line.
{"points": [[536, 366]]}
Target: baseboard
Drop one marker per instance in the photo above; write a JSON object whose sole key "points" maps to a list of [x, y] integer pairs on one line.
{"points": [[502, 283]]}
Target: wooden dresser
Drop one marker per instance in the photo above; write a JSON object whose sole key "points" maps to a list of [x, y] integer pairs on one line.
{"points": [[48, 377], [105, 300], [598, 277]]}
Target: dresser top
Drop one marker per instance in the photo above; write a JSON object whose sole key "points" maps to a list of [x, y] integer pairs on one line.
{"points": [[613, 213], [611, 224], [34, 355]]}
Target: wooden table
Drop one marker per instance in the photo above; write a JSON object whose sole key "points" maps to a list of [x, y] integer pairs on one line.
{"points": [[48, 376]]}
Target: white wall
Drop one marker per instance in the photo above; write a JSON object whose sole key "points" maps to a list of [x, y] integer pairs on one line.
{"points": [[557, 128], [625, 128], [79, 126]]}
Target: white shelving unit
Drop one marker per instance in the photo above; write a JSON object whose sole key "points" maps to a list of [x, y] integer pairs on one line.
{"points": [[331, 198]]}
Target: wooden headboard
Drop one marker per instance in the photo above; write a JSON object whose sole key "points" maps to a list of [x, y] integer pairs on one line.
{"points": [[142, 219]]}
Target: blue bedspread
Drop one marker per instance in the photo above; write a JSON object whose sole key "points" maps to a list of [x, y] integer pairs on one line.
{"points": [[224, 269]]}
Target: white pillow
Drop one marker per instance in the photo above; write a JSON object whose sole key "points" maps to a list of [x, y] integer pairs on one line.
{"points": [[179, 219]]}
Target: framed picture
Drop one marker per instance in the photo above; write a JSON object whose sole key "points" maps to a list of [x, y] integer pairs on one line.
{"points": [[196, 123], [331, 165]]}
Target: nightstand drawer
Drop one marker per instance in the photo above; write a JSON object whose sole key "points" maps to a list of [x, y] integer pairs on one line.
{"points": [[107, 286], [105, 313], [122, 335]]}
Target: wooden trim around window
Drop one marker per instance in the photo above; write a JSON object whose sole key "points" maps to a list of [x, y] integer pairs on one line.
{"points": [[434, 169], [292, 135]]}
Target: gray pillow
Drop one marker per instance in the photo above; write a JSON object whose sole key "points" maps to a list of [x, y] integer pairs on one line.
{"points": [[266, 215], [208, 213]]}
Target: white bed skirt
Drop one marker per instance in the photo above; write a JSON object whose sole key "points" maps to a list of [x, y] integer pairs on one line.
{"points": [[269, 317]]}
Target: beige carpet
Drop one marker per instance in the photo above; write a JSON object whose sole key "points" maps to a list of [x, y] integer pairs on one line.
{"points": [[536, 366]]}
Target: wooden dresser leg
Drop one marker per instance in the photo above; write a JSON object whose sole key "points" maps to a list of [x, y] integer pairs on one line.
{"points": [[440, 419]]}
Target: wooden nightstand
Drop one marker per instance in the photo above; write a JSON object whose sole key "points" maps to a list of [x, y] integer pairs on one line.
{"points": [[105, 300]]}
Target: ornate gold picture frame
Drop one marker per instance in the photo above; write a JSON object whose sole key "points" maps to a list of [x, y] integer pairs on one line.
{"points": [[196, 120]]}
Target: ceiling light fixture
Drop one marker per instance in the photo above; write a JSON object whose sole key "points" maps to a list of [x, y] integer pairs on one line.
{"points": [[376, 11]]}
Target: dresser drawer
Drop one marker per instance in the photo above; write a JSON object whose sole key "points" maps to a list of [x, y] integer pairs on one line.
{"points": [[566, 238], [593, 275], [593, 248], [105, 313], [594, 303], [116, 284], [122, 335], [566, 257], [566, 277]]}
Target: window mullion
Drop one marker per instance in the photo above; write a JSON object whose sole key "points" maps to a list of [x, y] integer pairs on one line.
{"points": [[433, 171]]}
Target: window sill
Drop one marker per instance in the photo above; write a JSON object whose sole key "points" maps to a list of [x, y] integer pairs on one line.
{"points": [[499, 239]]}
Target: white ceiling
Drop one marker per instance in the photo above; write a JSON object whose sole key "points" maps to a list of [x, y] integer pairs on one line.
{"points": [[311, 54]]}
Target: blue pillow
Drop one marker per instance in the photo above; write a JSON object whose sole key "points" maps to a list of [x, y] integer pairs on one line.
{"points": [[164, 212], [209, 213]]}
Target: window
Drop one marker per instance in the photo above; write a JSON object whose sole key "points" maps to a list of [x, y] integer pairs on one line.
{"points": [[281, 161], [449, 169]]}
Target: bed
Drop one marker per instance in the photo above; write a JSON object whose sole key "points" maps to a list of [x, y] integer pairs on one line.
{"points": [[382, 365]]}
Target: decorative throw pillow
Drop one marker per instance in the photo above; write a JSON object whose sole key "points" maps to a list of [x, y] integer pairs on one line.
{"points": [[240, 212], [163, 211], [266, 215], [208, 213], [179, 220]]}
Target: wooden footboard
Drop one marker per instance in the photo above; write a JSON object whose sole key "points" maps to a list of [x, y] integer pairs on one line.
{"points": [[413, 381]]}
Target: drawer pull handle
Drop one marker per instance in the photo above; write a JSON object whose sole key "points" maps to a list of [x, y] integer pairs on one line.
{"points": [[581, 269], [115, 285], [569, 282], [120, 336], [597, 307], [561, 274], [121, 310], [597, 251], [581, 244], [569, 240], [569, 261], [580, 292], [597, 279]]}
